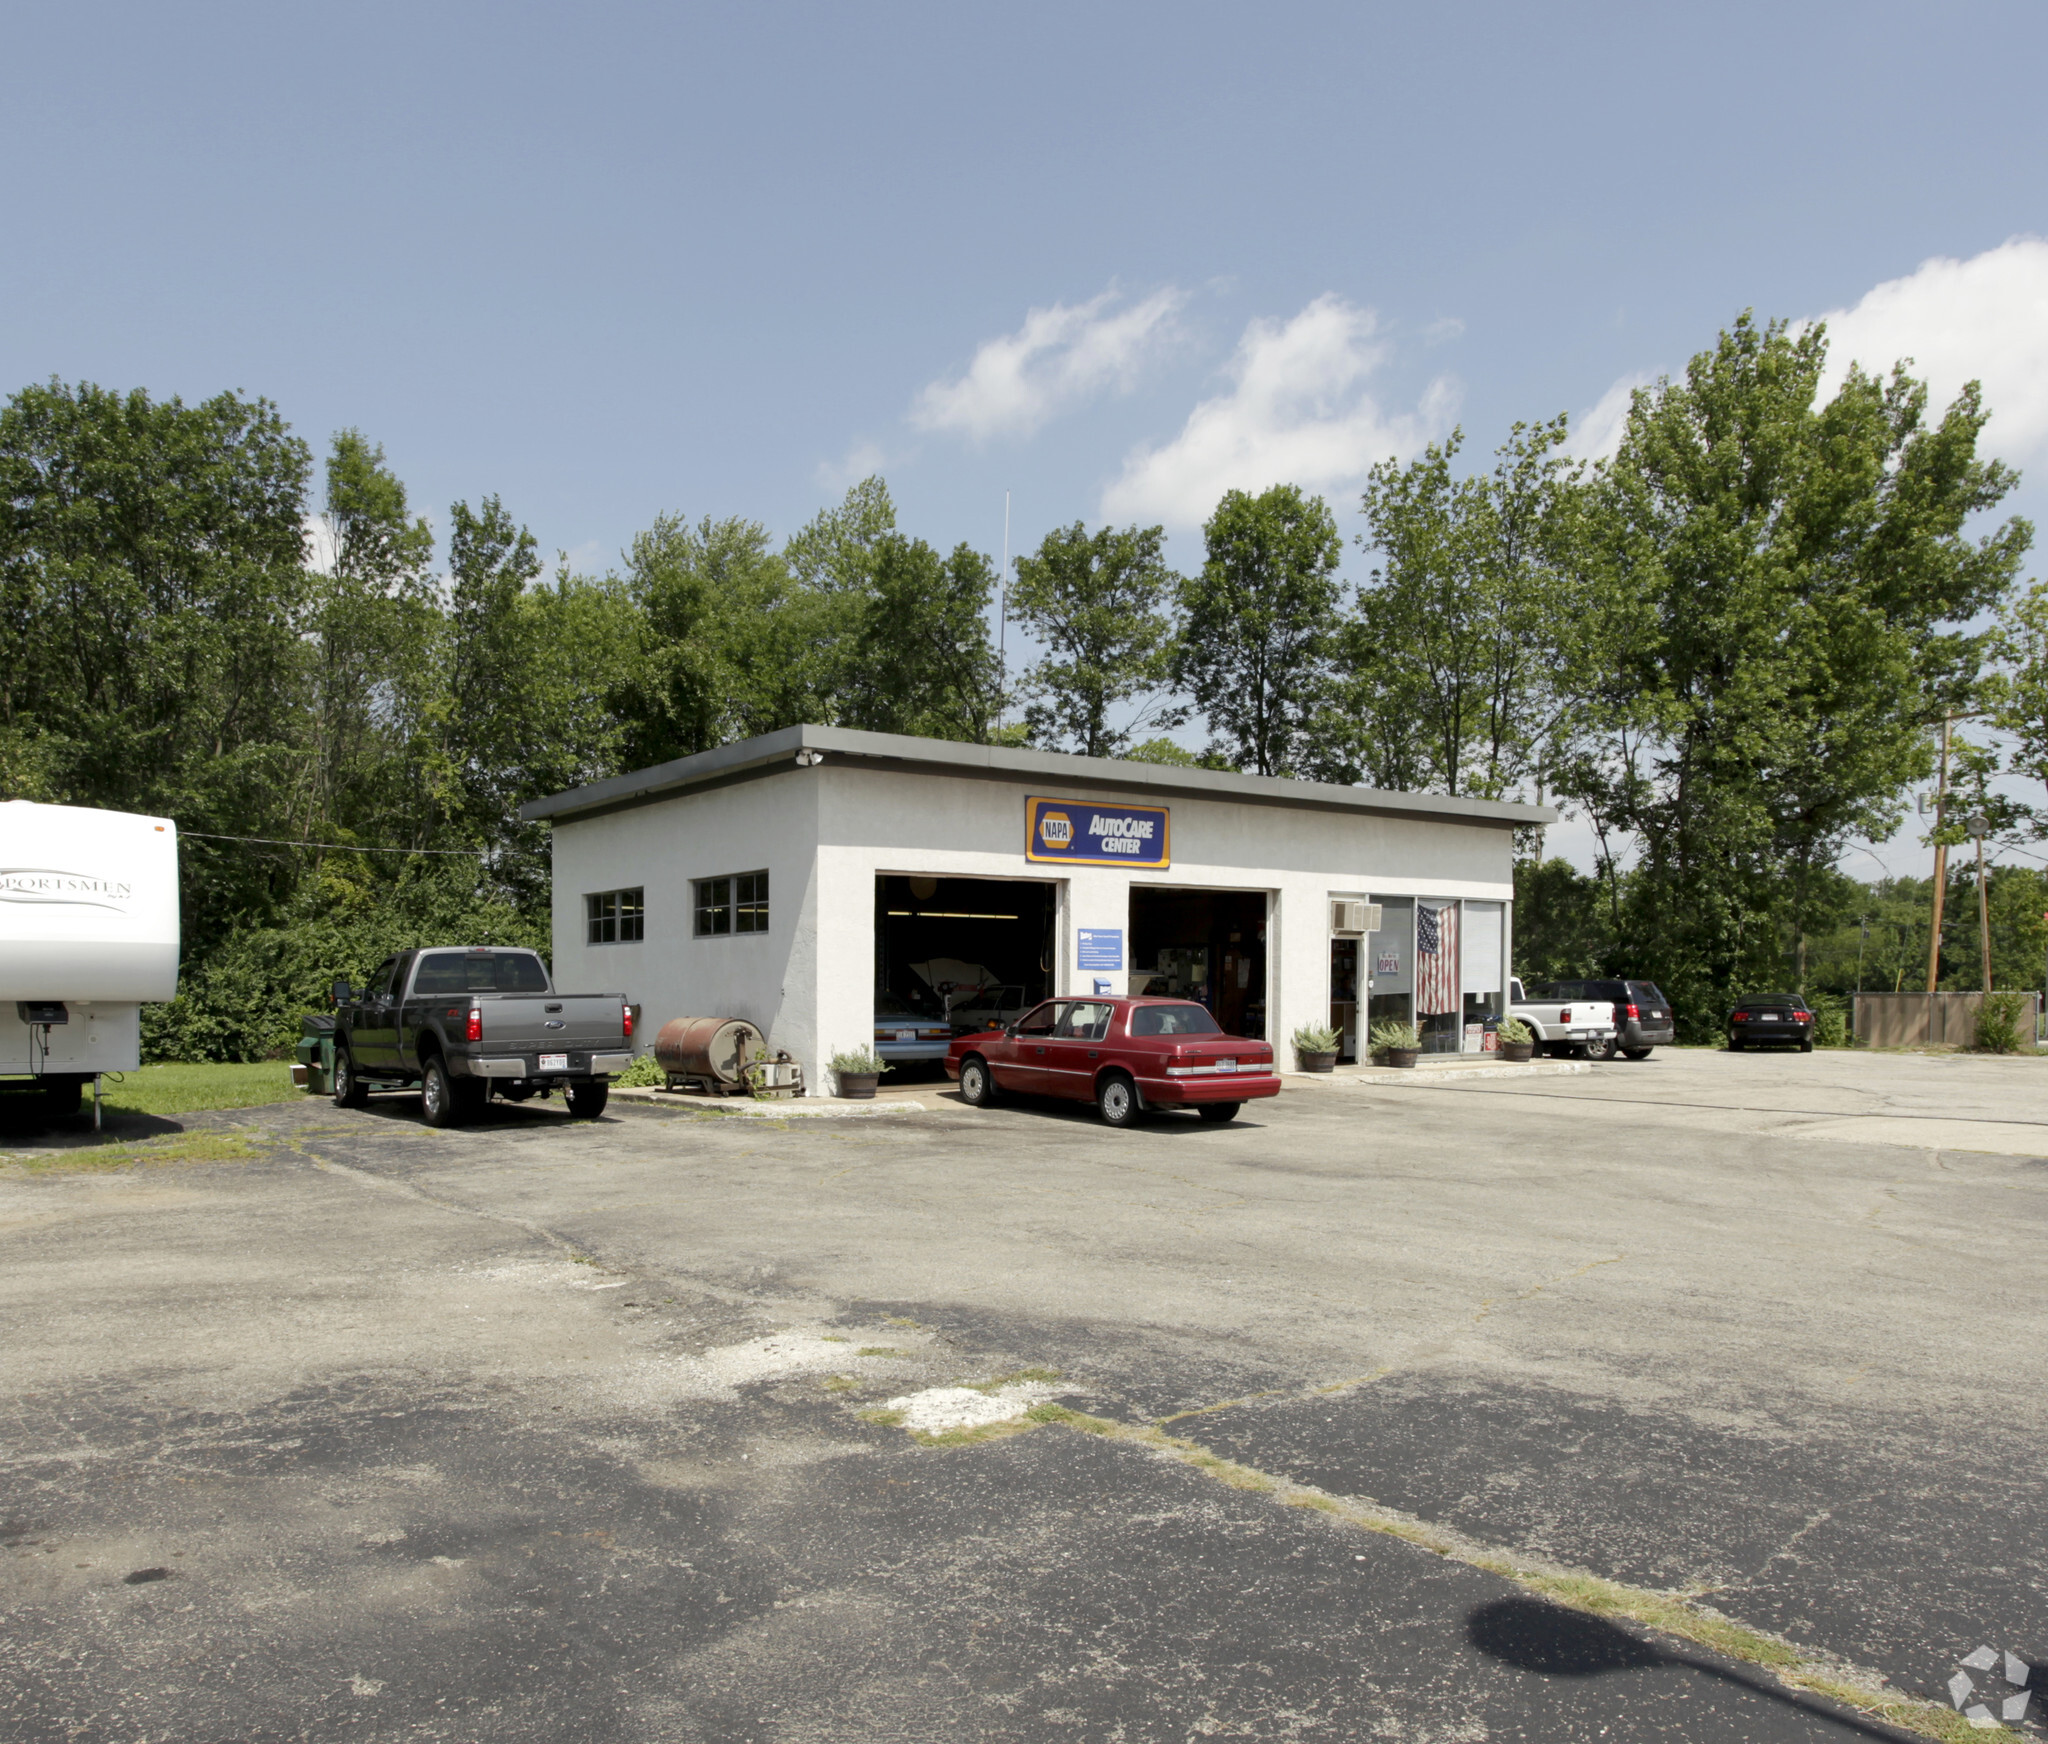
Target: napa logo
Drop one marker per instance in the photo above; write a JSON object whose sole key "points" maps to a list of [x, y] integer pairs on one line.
{"points": [[1072, 829], [1056, 829]]}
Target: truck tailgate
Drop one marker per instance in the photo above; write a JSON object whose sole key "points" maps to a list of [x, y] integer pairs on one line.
{"points": [[536, 1022]]}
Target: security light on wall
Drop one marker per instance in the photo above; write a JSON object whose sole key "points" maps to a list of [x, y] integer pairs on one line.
{"points": [[1351, 919], [808, 759]]}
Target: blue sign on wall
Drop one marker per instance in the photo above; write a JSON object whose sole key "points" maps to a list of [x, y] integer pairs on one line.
{"points": [[1101, 835], [1101, 948]]}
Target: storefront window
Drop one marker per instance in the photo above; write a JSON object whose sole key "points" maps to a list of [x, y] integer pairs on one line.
{"points": [[1390, 964], [1485, 935]]}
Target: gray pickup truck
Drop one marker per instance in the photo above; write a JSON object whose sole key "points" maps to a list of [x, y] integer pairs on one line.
{"points": [[462, 1023]]}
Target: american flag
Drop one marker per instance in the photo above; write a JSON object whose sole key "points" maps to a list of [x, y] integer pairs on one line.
{"points": [[1436, 960]]}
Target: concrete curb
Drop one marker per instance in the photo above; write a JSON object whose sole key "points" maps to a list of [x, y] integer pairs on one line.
{"points": [[1414, 1076], [793, 1108]]}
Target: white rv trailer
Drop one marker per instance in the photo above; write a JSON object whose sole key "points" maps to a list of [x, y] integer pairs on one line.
{"points": [[88, 932]]}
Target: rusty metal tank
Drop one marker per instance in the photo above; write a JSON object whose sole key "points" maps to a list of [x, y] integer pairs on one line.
{"points": [[711, 1049]]}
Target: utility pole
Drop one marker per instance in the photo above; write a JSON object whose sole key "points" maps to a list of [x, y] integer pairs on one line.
{"points": [[1980, 826], [1940, 865]]}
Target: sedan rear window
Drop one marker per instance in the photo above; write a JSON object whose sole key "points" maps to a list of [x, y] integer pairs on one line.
{"points": [[480, 972], [1165, 1020]]}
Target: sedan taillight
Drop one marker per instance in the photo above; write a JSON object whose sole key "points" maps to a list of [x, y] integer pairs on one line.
{"points": [[1740, 1017], [1802, 1017], [473, 1031]]}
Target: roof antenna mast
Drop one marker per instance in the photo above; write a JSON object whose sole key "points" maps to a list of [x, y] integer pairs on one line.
{"points": [[1003, 617]]}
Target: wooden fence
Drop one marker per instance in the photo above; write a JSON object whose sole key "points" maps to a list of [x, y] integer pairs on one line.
{"points": [[1919, 1020]]}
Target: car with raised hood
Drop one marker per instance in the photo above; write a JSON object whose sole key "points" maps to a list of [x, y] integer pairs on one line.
{"points": [[1643, 1018], [460, 1022], [1126, 1055], [1771, 1020]]}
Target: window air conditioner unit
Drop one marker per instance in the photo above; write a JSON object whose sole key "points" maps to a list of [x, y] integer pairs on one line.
{"points": [[1351, 920]]}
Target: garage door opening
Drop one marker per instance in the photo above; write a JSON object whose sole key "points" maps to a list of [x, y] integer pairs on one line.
{"points": [[1208, 945], [965, 952]]}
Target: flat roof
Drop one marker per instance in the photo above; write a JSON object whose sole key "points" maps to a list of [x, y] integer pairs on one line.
{"points": [[752, 758]]}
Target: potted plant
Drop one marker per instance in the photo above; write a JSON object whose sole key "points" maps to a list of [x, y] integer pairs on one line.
{"points": [[856, 1070], [1315, 1046], [1397, 1044], [1517, 1040]]}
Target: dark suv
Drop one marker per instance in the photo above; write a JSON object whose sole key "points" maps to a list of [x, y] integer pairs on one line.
{"points": [[1642, 1015]]}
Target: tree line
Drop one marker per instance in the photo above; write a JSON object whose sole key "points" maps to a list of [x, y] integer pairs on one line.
{"points": [[1725, 647]]}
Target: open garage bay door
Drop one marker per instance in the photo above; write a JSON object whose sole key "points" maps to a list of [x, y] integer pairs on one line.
{"points": [[1203, 944], [968, 950]]}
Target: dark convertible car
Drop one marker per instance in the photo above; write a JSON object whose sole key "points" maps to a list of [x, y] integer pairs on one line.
{"points": [[1783, 1018]]}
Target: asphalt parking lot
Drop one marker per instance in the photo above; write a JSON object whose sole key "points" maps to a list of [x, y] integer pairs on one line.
{"points": [[335, 1427]]}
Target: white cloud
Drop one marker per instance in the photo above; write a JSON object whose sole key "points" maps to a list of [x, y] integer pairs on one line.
{"points": [[1298, 412], [1983, 319], [1596, 432], [862, 460], [1060, 356]]}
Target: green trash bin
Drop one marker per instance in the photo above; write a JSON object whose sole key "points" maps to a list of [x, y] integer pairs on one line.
{"points": [[314, 1070]]}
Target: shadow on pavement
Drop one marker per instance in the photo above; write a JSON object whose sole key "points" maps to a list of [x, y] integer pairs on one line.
{"points": [[1554, 1641]]}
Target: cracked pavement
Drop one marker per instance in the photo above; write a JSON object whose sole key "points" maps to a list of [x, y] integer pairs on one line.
{"points": [[543, 1429]]}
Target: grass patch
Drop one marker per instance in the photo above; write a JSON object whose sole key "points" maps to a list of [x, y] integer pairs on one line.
{"points": [[1067, 1416], [187, 1089], [838, 1384], [885, 1419], [877, 1350], [1008, 1379], [968, 1437], [190, 1147]]}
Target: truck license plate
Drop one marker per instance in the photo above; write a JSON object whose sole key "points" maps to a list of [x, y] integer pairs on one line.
{"points": [[554, 1062]]}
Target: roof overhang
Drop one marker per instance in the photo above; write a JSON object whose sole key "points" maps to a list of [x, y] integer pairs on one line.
{"points": [[750, 759]]}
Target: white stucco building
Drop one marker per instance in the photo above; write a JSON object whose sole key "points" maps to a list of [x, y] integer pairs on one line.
{"points": [[806, 879]]}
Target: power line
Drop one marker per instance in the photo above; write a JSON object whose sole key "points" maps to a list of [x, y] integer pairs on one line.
{"points": [[339, 847]]}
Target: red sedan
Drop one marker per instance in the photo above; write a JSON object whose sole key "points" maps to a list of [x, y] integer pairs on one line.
{"points": [[1123, 1055]]}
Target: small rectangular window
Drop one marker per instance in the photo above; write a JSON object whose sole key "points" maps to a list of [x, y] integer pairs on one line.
{"points": [[736, 903], [615, 917], [750, 903]]}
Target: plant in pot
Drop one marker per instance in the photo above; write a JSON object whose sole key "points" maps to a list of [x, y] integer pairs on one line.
{"points": [[855, 1070], [1315, 1046], [1517, 1040], [1397, 1044]]}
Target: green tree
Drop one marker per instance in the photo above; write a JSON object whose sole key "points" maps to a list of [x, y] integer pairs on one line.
{"points": [[732, 645], [1101, 605], [375, 639], [1563, 924], [1779, 601], [1449, 665], [152, 580], [923, 661], [1257, 627]]}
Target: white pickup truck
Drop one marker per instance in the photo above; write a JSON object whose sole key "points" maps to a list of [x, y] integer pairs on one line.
{"points": [[1565, 1026]]}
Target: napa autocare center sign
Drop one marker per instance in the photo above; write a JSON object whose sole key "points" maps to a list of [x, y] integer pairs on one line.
{"points": [[1067, 830]]}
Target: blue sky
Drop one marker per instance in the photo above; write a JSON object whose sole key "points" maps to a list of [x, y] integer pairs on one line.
{"points": [[610, 261]]}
